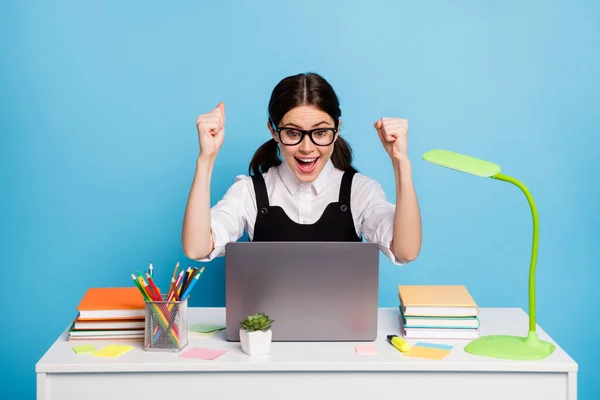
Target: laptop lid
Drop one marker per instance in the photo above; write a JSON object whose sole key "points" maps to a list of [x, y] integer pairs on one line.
{"points": [[314, 291]]}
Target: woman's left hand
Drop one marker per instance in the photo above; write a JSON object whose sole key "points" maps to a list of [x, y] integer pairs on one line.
{"points": [[393, 133]]}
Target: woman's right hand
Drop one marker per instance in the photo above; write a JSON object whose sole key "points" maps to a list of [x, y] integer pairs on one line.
{"points": [[211, 131]]}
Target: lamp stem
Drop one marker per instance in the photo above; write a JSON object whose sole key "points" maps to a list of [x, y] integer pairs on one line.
{"points": [[534, 249]]}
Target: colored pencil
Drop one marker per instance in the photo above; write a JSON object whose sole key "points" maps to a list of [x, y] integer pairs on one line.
{"points": [[142, 283], [177, 283], [171, 287], [153, 287], [188, 290], [175, 270], [186, 276], [192, 275], [137, 283], [190, 286], [149, 291]]}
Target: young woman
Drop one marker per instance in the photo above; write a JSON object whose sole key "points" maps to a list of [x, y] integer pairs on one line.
{"points": [[302, 185]]}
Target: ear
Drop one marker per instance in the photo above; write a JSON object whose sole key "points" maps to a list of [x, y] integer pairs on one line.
{"points": [[273, 133]]}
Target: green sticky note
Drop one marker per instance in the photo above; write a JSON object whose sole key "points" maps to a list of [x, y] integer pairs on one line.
{"points": [[201, 335], [204, 328], [85, 349]]}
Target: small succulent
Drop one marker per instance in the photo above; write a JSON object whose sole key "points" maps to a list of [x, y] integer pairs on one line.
{"points": [[257, 322]]}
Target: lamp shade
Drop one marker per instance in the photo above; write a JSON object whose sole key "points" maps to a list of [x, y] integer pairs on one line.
{"points": [[462, 163]]}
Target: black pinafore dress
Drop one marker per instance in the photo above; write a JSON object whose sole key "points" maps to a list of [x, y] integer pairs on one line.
{"points": [[334, 225]]}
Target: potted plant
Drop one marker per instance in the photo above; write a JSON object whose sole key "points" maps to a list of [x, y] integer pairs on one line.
{"points": [[256, 334]]}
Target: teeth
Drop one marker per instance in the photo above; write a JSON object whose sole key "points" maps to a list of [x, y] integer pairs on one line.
{"points": [[307, 160]]}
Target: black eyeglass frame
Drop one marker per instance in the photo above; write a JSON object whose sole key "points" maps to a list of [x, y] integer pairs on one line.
{"points": [[304, 133]]}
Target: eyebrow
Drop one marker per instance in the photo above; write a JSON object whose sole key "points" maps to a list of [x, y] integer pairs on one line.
{"points": [[299, 127]]}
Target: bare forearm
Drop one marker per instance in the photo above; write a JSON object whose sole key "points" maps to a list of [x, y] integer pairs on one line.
{"points": [[406, 243], [196, 233]]}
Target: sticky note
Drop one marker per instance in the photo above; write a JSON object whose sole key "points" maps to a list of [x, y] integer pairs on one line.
{"points": [[365, 349], [84, 349], [204, 328], [113, 351], [201, 335], [435, 345], [427, 352], [202, 354]]}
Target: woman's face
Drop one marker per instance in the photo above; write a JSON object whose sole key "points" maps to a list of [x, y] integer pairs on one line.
{"points": [[306, 159]]}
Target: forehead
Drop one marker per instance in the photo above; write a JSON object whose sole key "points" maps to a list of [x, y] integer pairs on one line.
{"points": [[305, 115]]}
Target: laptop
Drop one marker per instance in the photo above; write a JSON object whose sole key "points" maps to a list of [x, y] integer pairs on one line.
{"points": [[314, 291]]}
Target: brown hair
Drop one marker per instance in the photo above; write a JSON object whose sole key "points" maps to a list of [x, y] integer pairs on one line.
{"points": [[293, 91]]}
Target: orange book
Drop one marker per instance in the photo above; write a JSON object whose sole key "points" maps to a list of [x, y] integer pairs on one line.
{"points": [[437, 301], [111, 303]]}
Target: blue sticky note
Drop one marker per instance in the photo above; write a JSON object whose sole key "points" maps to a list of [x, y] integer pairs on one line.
{"points": [[434, 345]]}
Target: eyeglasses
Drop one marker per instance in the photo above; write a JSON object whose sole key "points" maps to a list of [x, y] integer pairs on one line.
{"points": [[319, 136]]}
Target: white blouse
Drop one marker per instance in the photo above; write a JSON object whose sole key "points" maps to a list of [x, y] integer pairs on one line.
{"points": [[304, 203]]}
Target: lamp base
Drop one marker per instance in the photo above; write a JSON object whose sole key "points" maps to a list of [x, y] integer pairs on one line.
{"points": [[511, 347]]}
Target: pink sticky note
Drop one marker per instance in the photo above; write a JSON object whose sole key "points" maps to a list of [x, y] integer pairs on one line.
{"points": [[365, 349], [202, 354]]}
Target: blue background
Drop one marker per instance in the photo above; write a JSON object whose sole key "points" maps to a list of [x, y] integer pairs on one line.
{"points": [[98, 143]]}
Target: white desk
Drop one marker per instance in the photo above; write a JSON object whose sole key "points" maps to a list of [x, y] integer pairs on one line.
{"points": [[313, 370]]}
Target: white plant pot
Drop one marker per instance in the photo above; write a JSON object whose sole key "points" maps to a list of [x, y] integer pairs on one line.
{"points": [[255, 343]]}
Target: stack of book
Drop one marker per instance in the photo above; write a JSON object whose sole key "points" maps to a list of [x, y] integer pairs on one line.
{"points": [[109, 314], [438, 311]]}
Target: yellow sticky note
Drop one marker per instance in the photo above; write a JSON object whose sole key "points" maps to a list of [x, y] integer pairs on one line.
{"points": [[113, 351], [84, 349], [427, 352]]}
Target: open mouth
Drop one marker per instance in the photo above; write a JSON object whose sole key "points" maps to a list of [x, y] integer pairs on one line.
{"points": [[306, 164]]}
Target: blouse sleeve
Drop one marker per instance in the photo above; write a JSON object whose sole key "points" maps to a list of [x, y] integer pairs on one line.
{"points": [[375, 215], [227, 217]]}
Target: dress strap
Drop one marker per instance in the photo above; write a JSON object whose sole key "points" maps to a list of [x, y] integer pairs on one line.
{"points": [[260, 189], [346, 187]]}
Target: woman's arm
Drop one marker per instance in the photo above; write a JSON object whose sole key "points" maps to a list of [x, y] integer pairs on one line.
{"points": [[196, 233], [406, 242], [197, 237]]}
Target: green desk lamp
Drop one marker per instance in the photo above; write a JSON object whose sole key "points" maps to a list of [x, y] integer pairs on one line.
{"points": [[501, 346]]}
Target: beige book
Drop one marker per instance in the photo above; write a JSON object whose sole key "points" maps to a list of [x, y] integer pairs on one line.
{"points": [[437, 301]]}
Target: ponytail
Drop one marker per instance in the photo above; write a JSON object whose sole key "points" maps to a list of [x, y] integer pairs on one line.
{"points": [[342, 155], [267, 156]]}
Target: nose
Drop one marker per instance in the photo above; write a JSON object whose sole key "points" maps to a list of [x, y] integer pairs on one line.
{"points": [[306, 146]]}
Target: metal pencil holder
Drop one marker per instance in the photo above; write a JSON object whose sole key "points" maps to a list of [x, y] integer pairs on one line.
{"points": [[165, 326]]}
